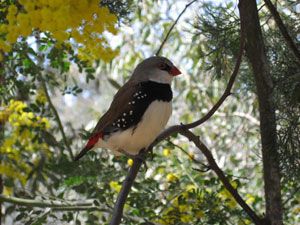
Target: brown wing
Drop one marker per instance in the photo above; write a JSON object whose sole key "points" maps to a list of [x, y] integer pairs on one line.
{"points": [[118, 105]]}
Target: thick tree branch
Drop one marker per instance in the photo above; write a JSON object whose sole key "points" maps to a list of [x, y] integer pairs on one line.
{"points": [[172, 27], [57, 118], [214, 166], [283, 29]]}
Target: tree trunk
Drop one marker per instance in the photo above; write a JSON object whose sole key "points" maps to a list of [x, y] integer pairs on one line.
{"points": [[256, 54]]}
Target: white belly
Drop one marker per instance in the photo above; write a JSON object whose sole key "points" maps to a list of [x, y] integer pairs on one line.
{"points": [[132, 141]]}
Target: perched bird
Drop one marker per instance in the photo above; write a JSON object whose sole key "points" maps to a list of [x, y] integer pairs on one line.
{"points": [[139, 110]]}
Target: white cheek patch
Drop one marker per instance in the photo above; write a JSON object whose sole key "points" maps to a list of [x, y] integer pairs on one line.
{"points": [[161, 76]]}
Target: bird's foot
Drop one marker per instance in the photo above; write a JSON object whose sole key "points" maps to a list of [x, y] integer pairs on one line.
{"points": [[151, 154], [141, 156]]}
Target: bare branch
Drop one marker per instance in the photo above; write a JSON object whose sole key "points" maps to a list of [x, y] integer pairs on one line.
{"points": [[214, 166], [227, 91], [283, 29], [57, 118], [56, 205], [291, 196], [127, 184], [172, 27], [51, 203], [206, 168], [242, 115]]}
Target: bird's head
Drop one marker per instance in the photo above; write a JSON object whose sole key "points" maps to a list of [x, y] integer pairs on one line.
{"points": [[156, 68]]}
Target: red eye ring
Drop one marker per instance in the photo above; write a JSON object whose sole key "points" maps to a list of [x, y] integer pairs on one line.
{"points": [[162, 66]]}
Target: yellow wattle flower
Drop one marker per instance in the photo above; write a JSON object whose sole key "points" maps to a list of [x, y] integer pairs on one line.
{"points": [[130, 162], [20, 138], [57, 17], [166, 152], [171, 177], [115, 186]]}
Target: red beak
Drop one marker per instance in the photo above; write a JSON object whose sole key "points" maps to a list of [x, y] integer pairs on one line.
{"points": [[175, 71]]}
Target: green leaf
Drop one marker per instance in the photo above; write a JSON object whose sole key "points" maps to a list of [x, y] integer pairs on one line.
{"points": [[114, 83]]}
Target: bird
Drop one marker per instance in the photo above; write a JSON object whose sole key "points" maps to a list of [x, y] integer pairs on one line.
{"points": [[139, 111]]}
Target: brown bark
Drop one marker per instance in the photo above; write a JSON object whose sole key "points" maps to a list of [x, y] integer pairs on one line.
{"points": [[256, 54]]}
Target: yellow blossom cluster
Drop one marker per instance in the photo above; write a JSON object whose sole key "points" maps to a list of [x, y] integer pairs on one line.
{"points": [[181, 209], [171, 177], [20, 138], [115, 186], [83, 21], [225, 196], [41, 96], [14, 113], [186, 207]]}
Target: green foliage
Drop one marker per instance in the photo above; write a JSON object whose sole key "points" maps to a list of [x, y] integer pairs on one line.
{"points": [[218, 38], [285, 71], [121, 8]]}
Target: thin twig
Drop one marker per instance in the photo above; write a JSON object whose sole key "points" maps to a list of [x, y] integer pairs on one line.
{"points": [[283, 29], [292, 195], [56, 205], [172, 27], [214, 166], [227, 91], [45, 203], [206, 167], [57, 118]]}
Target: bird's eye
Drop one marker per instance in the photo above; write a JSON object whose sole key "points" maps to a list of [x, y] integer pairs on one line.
{"points": [[164, 66]]}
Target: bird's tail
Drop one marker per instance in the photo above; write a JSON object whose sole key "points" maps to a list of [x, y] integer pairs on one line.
{"points": [[82, 153], [90, 144]]}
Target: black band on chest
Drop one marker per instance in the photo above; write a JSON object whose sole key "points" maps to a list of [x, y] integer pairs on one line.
{"points": [[147, 93], [157, 91]]}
